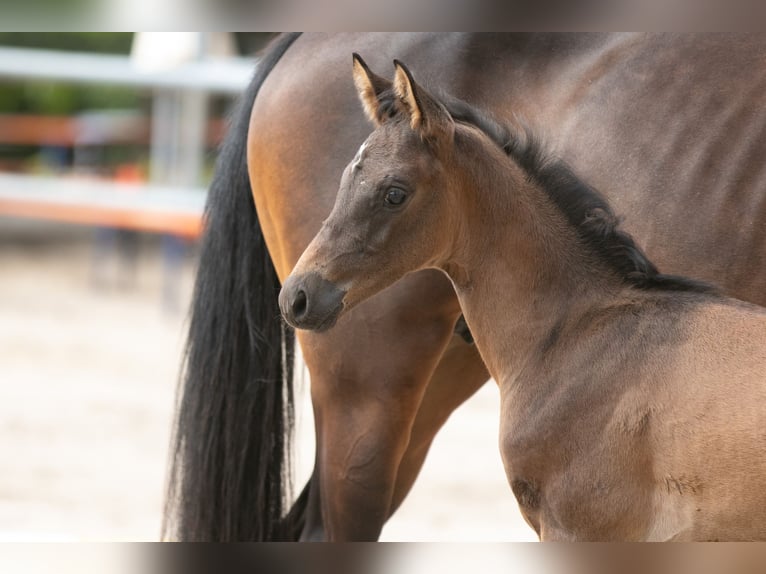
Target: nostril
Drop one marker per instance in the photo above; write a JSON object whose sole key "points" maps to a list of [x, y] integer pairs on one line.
{"points": [[300, 303]]}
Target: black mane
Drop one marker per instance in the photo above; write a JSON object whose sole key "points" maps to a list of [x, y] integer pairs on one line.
{"points": [[584, 207]]}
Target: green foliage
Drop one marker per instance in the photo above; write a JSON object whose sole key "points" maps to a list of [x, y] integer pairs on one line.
{"points": [[11, 98], [100, 42], [53, 99]]}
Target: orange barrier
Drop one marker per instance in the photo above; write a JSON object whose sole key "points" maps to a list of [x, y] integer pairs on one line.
{"points": [[181, 224], [36, 130]]}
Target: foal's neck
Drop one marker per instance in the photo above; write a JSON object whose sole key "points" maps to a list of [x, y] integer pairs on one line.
{"points": [[518, 266]]}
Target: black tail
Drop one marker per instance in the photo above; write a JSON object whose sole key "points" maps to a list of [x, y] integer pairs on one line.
{"points": [[230, 466]]}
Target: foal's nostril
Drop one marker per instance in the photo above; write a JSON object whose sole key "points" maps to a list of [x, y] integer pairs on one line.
{"points": [[308, 301], [300, 303]]}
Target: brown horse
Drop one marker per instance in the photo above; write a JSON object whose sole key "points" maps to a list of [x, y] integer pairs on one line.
{"points": [[671, 127], [633, 403]]}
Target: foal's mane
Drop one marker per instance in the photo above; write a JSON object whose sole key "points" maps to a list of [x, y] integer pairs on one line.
{"points": [[584, 207]]}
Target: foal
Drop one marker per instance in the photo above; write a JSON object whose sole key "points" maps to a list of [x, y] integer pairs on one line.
{"points": [[633, 404]]}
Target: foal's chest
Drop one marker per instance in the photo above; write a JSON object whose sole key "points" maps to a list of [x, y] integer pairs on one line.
{"points": [[577, 481]]}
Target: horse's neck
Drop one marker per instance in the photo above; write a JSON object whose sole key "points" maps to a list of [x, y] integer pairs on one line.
{"points": [[519, 270]]}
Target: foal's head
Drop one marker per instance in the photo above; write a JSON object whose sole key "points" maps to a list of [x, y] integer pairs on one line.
{"points": [[394, 212], [404, 201]]}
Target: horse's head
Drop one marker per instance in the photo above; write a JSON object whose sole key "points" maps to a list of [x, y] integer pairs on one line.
{"points": [[392, 214]]}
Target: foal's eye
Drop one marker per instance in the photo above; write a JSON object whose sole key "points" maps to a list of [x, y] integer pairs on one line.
{"points": [[395, 196]]}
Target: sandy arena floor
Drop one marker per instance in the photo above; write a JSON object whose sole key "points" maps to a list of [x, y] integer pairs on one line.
{"points": [[87, 383]]}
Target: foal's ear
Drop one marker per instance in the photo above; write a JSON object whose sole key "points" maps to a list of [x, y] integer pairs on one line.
{"points": [[427, 115], [369, 87]]}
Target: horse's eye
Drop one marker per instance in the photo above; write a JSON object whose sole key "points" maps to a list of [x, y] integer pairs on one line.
{"points": [[395, 196]]}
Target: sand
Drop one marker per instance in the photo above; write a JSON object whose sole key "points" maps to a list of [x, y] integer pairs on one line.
{"points": [[88, 372]]}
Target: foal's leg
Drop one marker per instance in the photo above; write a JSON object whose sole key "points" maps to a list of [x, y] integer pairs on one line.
{"points": [[368, 378]]}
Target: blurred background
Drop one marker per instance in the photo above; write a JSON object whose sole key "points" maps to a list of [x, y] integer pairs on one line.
{"points": [[107, 143]]}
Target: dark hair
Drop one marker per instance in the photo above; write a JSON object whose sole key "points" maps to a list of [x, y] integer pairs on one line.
{"points": [[584, 207]]}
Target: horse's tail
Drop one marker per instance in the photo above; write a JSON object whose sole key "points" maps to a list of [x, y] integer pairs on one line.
{"points": [[230, 461]]}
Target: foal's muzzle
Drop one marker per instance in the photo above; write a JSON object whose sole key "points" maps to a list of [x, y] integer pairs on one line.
{"points": [[310, 302]]}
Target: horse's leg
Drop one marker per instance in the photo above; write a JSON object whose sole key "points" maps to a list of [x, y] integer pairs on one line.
{"points": [[459, 374], [313, 525], [368, 378], [368, 373]]}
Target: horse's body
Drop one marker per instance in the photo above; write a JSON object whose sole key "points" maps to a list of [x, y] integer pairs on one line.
{"points": [[633, 403], [672, 128]]}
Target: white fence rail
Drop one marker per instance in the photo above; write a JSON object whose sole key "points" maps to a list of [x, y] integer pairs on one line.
{"points": [[179, 112]]}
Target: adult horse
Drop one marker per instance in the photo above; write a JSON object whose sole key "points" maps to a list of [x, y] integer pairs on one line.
{"points": [[672, 127]]}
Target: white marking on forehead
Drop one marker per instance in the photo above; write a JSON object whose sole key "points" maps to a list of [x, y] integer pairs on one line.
{"points": [[357, 161]]}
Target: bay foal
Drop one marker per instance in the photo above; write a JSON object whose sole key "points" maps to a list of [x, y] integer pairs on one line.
{"points": [[633, 404]]}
